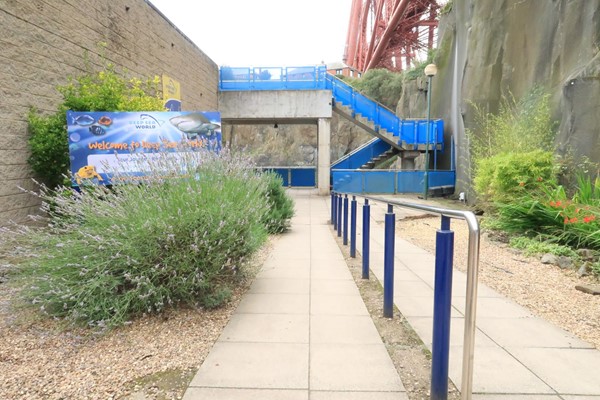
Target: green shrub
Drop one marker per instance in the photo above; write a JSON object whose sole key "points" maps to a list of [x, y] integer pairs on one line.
{"points": [[540, 245], [512, 149], [506, 176], [281, 206], [139, 248], [518, 127], [380, 85], [105, 90], [49, 147]]}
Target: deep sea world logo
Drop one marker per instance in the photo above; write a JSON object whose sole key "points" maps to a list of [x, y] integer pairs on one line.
{"points": [[146, 121]]}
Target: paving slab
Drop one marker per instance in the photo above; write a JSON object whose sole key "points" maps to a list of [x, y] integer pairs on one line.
{"points": [[349, 367], [571, 371], [334, 287], [280, 286], [497, 371], [343, 329], [254, 365], [266, 303], [326, 304], [519, 396], [206, 393], [423, 326], [267, 328], [528, 332], [328, 395]]}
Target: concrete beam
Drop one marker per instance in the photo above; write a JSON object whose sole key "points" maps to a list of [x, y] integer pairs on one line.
{"points": [[275, 104]]}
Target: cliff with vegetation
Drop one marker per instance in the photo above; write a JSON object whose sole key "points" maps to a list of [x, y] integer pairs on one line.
{"points": [[491, 49]]}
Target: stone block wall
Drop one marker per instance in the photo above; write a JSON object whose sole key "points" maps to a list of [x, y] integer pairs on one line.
{"points": [[44, 42]]}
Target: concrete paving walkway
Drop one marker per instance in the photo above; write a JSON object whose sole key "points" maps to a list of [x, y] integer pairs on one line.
{"points": [[517, 355], [302, 331]]}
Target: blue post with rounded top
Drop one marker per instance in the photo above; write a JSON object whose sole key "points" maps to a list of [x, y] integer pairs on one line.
{"points": [[366, 227], [345, 220], [442, 297], [353, 227], [339, 216], [388, 263], [333, 209]]}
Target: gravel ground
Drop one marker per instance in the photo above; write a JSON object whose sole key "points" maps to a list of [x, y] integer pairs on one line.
{"points": [[154, 357], [546, 290]]}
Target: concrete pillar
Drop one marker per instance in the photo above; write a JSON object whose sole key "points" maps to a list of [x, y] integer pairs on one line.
{"points": [[323, 155], [407, 160]]}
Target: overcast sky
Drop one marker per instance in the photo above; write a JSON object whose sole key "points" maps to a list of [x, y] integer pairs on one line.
{"points": [[241, 33]]}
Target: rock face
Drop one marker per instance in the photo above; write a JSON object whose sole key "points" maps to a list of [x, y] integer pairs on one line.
{"points": [[490, 48], [292, 145]]}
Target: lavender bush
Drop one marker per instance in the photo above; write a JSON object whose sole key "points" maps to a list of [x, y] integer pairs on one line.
{"points": [[179, 237]]}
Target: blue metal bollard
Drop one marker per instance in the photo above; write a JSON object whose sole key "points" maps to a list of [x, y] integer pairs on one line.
{"points": [[366, 232], [333, 209], [353, 227], [345, 220], [339, 216], [388, 263], [442, 298]]}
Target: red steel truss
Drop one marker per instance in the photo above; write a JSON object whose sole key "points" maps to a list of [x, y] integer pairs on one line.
{"points": [[389, 33]]}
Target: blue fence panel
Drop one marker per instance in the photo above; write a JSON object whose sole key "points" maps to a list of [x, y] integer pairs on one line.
{"points": [[439, 131], [408, 132], [389, 121], [342, 94], [301, 74], [379, 181], [389, 181], [410, 181], [347, 181], [282, 172], [364, 106], [442, 178], [303, 177]]}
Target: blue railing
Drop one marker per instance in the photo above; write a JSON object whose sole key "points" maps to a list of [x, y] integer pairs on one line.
{"points": [[272, 78], [442, 301], [409, 132], [360, 156], [389, 181]]}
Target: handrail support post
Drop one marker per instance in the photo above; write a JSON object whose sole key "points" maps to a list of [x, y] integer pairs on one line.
{"points": [[388, 263]]}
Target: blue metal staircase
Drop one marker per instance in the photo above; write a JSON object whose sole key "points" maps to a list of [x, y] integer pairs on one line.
{"points": [[392, 135]]}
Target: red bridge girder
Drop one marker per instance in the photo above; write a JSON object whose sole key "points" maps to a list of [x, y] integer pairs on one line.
{"points": [[389, 33]]}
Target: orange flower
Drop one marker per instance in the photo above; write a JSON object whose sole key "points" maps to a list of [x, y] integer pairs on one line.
{"points": [[521, 183], [558, 203], [573, 220], [566, 220], [552, 204], [577, 210]]}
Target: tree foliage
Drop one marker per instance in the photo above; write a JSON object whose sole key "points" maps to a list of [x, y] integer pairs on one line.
{"points": [[105, 90]]}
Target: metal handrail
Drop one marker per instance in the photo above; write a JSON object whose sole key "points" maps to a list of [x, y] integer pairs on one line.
{"points": [[472, 276]]}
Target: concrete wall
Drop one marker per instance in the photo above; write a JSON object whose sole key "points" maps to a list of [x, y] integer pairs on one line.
{"points": [[45, 41]]}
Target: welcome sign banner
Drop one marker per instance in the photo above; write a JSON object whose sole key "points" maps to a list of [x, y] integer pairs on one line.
{"points": [[101, 141]]}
